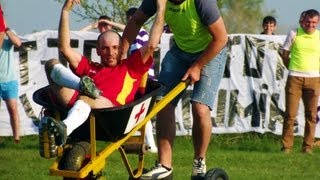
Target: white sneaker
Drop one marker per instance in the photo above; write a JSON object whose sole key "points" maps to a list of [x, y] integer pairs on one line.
{"points": [[157, 172], [199, 169]]}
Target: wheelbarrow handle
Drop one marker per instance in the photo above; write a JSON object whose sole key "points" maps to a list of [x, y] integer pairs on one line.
{"points": [[188, 82]]}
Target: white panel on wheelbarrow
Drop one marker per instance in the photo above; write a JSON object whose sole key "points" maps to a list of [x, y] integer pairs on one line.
{"points": [[138, 114]]}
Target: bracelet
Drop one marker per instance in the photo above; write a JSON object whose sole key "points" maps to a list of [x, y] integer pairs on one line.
{"points": [[7, 29]]}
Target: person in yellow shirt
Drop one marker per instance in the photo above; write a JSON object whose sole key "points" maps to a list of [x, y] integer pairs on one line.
{"points": [[301, 55]]}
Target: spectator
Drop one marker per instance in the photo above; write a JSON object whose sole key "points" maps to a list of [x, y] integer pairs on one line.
{"points": [[200, 57], [301, 54], [8, 80], [103, 74], [101, 25], [269, 25]]}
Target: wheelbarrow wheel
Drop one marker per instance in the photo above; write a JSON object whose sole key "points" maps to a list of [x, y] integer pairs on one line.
{"points": [[216, 174], [74, 158]]}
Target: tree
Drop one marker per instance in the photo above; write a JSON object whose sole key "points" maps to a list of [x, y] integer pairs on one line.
{"points": [[93, 9], [243, 16]]}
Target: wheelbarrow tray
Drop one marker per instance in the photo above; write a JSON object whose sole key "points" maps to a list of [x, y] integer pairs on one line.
{"points": [[111, 123]]}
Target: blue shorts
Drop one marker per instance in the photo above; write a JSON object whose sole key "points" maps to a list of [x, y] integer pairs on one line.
{"points": [[9, 90], [176, 63]]}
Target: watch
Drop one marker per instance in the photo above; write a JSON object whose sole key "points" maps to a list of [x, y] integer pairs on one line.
{"points": [[7, 29]]}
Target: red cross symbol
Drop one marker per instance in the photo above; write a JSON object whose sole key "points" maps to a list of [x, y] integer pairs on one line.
{"points": [[137, 116]]}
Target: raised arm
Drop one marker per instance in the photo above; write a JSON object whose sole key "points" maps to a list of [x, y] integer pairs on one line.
{"points": [[131, 31], [15, 40], [93, 25], [155, 33], [219, 40], [113, 24], [73, 57]]}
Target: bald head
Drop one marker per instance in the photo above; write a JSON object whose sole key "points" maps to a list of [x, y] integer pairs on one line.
{"points": [[110, 36], [109, 47]]}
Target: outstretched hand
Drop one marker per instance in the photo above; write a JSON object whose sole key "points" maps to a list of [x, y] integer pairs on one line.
{"points": [[69, 4]]}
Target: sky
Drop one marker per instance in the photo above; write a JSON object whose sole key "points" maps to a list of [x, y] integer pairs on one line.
{"points": [[27, 16]]}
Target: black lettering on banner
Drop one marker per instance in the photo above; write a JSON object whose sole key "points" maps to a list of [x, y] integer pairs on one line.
{"points": [[276, 114], [28, 108], [23, 60], [251, 44], [221, 106], [232, 41], [234, 107], [280, 69], [53, 43]]}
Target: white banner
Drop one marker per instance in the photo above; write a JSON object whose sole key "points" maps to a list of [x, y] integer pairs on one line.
{"points": [[250, 97]]}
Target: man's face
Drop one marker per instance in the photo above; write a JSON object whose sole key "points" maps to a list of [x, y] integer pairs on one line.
{"points": [[269, 28], [109, 49], [309, 24], [103, 26]]}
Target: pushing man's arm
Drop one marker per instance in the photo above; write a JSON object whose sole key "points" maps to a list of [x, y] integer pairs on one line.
{"points": [[72, 56], [155, 33], [131, 31], [219, 40]]}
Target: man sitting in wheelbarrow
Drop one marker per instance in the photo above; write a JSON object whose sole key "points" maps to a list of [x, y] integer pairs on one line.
{"points": [[112, 82]]}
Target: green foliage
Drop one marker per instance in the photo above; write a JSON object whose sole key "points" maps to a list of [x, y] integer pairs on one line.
{"points": [[93, 9], [251, 156], [243, 16]]}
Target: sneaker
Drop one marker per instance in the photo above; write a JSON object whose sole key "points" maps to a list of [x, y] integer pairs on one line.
{"points": [[88, 87], [199, 169], [58, 129], [157, 172]]}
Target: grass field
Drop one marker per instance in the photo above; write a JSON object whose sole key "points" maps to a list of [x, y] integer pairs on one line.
{"points": [[242, 156]]}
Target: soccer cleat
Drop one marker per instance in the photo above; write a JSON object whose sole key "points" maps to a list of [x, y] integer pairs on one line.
{"points": [[58, 129], [157, 172], [88, 87], [199, 169]]}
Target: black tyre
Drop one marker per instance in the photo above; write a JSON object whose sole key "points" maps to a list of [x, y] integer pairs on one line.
{"points": [[74, 158], [216, 174]]}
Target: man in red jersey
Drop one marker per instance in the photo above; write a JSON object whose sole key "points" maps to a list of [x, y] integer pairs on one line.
{"points": [[117, 82]]}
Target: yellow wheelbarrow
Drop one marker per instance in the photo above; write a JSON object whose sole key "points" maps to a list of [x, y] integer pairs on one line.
{"points": [[79, 158]]}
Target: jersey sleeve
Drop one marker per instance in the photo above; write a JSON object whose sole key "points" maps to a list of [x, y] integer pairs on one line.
{"points": [[208, 11], [135, 65], [83, 67]]}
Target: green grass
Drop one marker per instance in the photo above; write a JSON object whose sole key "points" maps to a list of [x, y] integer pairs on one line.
{"points": [[242, 156]]}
